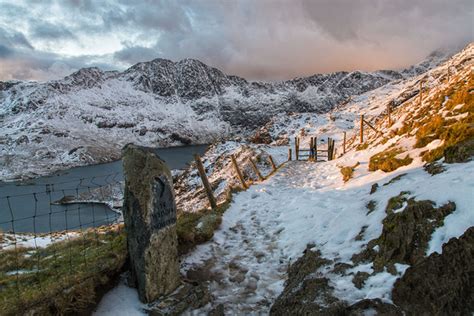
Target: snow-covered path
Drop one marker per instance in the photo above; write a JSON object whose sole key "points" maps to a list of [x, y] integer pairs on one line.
{"points": [[268, 227]]}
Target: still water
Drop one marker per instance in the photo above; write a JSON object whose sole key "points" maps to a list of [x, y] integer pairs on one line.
{"points": [[25, 206]]}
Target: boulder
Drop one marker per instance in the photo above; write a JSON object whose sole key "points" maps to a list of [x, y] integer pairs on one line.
{"points": [[441, 284], [149, 211]]}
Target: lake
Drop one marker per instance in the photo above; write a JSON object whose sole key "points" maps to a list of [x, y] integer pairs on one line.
{"points": [[25, 206]]}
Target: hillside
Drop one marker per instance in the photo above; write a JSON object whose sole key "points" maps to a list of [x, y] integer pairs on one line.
{"points": [[393, 235], [88, 116]]}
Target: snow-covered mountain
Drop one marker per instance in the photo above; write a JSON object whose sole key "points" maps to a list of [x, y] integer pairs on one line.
{"points": [[89, 115]]}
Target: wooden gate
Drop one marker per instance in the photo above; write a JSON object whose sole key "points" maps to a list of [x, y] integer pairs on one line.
{"points": [[313, 153]]}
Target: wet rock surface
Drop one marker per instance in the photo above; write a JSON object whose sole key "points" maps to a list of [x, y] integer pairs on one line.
{"points": [[441, 284]]}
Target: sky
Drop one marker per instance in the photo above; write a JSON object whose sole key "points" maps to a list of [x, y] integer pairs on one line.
{"points": [[256, 39]]}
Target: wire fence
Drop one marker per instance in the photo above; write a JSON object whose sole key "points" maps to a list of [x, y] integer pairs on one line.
{"points": [[56, 239]]}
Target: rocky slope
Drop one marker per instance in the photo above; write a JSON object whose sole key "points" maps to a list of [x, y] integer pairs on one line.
{"points": [[88, 116]]}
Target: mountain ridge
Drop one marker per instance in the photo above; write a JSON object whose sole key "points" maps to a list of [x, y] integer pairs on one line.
{"points": [[89, 115]]}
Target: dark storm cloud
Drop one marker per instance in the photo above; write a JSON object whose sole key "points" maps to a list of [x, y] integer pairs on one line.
{"points": [[135, 54], [266, 39]]}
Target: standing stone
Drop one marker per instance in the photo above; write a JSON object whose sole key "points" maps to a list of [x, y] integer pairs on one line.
{"points": [[149, 212]]}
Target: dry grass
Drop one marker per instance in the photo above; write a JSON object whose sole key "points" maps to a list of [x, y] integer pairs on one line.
{"points": [[362, 146], [387, 161], [198, 227], [348, 171], [63, 277]]}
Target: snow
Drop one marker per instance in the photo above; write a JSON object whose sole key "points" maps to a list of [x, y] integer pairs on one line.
{"points": [[10, 241], [122, 300]]}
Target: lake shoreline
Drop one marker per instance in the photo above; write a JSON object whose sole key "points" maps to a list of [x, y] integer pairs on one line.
{"points": [[59, 170]]}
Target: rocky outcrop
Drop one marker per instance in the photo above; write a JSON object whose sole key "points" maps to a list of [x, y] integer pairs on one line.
{"points": [[405, 234], [304, 295], [441, 284], [372, 307], [308, 293]]}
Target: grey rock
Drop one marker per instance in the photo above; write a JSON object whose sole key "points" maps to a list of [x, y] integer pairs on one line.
{"points": [[441, 284], [149, 212]]}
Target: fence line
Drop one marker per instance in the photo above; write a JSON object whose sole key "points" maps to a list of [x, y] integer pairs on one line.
{"points": [[58, 238]]}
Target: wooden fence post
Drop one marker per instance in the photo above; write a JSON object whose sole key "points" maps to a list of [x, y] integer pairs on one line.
{"points": [[255, 169], [361, 128], [297, 148], [421, 91], [289, 154], [270, 158], [330, 148], [311, 140], [298, 153], [389, 113], [316, 148], [333, 149], [205, 182], [344, 145], [237, 170]]}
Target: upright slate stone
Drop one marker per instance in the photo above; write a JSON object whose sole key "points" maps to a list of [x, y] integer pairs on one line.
{"points": [[149, 211]]}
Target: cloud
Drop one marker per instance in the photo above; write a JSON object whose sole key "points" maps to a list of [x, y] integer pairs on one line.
{"points": [[134, 54], [269, 40], [5, 51], [50, 31]]}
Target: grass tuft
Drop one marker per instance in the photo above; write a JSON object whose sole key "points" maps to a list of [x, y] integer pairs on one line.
{"points": [[387, 161], [348, 171]]}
